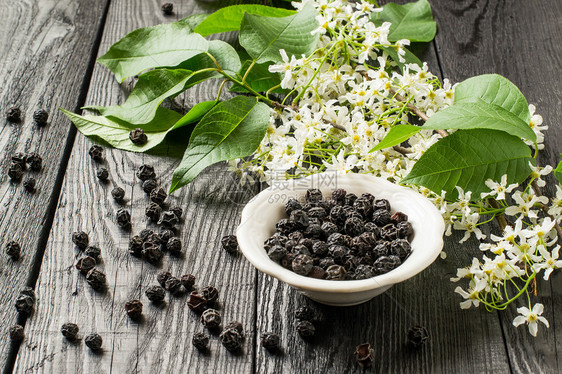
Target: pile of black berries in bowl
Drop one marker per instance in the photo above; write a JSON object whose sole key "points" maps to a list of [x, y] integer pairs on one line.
{"points": [[340, 239]]}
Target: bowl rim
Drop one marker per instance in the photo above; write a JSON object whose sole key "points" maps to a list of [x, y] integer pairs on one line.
{"points": [[433, 226]]}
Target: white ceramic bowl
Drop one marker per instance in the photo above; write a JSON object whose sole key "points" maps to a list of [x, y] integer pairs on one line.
{"points": [[262, 213]]}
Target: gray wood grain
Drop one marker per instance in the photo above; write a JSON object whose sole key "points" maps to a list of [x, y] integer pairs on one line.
{"points": [[161, 342], [517, 40], [45, 53]]}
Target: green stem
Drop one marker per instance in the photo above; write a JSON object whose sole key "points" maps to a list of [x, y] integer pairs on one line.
{"points": [[248, 71]]}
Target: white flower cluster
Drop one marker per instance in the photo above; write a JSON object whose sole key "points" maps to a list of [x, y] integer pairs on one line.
{"points": [[344, 106]]}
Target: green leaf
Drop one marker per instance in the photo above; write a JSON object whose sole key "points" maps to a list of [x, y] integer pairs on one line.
{"points": [[467, 158], [195, 114], [412, 21], [116, 133], [409, 57], [229, 18], [145, 98], [232, 129], [480, 115], [225, 55], [396, 135], [260, 79], [494, 89], [193, 20], [558, 172], [152, 47], [263, 37]]}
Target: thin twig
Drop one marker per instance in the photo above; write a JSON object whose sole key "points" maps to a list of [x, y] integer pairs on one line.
{"points": [[544, 208], [417, 111], [500, 217]]}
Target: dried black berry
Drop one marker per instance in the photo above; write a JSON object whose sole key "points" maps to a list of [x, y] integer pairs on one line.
{"points": [[363, 272], [93, 252], [96, 153], [291, 205], [15, 172], [417, 336], [302, 264], [305, 329], [354, 226], [155, 294], [135, 246], [24, 304], [13, 115], [211, 318], [188, 281], [93, 341], [158, 195], [13, 249], [197, 302], [364, 206], [40, 116], [168, 219], [369, 197], [317, 212], [34, 160], [118, 194], [336, 272], [372, 227], [96, 279], [389, 232], [381, 217], [153, 212], [405, 229], [300, 249], [304, 313], [314, 231], [276, 253], [138, 137], [149, 185], [168, 8], [270, 341], [362, 244], [317, 272], [320, 249], [29, 184], [231, 339], [339, 195], [385, 264], [338, 215], [350, 199], [123, 218], [174, 285], [144, 234], [162, 277], [80, 239], [313, 195], [146, 172], [152, 252], [134, 308], [19, 158], [296, 236], [236, 326], [174, 246], [178, 211], [85, 264], [381, 204], [300, 219], [165, 235], [339, 253], [16, 334], [398, 217], [69, 331], [200, 341], [326, 262], [285, 226], [230, 244], [381, 249], [210, 293], [400, 248], [102, 174], [364, 355]]}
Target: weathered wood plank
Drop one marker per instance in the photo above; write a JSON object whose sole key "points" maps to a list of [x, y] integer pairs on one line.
{"points": [[460, 341], [45, 54], [162, 341], [517, 40]]}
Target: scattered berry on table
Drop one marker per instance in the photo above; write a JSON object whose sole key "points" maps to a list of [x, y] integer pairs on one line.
{"points": [[211, 319], [96, 153], [158, 195], [19, 158], [174, 285], [168, 8], [34, 160], [29, 184], [178, 211], [155, 293], [144, 234], [94, 252], [135, 246], [123, 218], [138, 137], [162, 277], [16, 334], [364, 355], [210, 293], [197, 302], [15, 172], [80, 239], [13, 115], [305, 329], [70, 331], [146, 172], [174, 246], [85, 264], [40, 117], [149, 185], [236, 326], [200, 341], [230, 244], [168, 219], [165, 234], [93, 341], [417, 336], [25, 301], [134, 308], [270, 341], [304, 313], [118, 194], [188, 281], [152, 251], [96, 279], [153, 211], [13, 249], [102, 174], [231, 339]]}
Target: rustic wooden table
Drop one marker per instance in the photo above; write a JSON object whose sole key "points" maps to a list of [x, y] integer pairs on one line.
{"points": [[47, 54]]}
